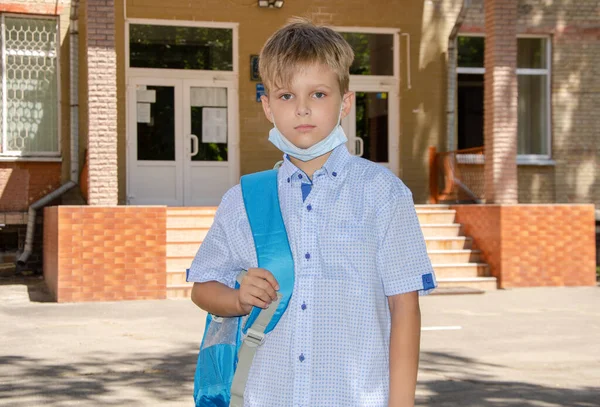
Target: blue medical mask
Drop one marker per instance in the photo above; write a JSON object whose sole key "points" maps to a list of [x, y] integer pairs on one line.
{"points": [[336, 138]]}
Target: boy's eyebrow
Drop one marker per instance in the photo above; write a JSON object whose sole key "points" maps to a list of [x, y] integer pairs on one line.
{"points": [[321, 85]]}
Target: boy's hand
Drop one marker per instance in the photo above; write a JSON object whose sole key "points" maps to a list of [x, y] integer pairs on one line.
{"points": [[258, 288]]}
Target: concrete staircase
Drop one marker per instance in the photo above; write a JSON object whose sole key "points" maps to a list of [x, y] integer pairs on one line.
{"points": [[186, 229], [458, 268]]}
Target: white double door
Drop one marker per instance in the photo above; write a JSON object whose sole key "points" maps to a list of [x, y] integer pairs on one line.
{"points": [[182, 141]]}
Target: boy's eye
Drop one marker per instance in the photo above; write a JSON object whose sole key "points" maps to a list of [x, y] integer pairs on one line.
{"points": [[285, 96], [319, 95]]}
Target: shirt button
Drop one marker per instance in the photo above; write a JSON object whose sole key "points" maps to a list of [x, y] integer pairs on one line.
{"points": [[303, 306], [301, 357], [288, 180], [299, 176], [334, 174], [309, 208], [307, 256]]}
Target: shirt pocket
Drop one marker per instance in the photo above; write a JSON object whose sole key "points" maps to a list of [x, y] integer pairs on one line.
{"points": [[347, 249]]}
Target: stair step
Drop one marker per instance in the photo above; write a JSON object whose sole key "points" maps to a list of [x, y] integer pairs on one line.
{"points": [[436, 216], [186, 235], [481, 283], [454, 256], [182, 249], [461, 270], [449, 243], [186, 211], [189, 222], [431, 207], [183, 291], [179, 264], [176, 278], [439, 230]]}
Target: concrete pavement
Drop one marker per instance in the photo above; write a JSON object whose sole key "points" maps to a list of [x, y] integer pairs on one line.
{"points": [[525, 347]]}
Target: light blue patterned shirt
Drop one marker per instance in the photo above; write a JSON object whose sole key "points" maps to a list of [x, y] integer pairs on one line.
{"points": [[355, 239]]}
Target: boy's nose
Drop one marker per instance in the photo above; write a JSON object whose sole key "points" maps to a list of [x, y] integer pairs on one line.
{"points": [[302, 109]]}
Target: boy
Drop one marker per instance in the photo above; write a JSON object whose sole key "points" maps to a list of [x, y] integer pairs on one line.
{"points": [[350, 335]]}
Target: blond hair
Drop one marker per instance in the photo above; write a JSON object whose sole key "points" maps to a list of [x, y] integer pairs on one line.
{"points": [[301, 43]]}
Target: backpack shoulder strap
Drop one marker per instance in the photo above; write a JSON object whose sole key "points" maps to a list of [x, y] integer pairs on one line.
{"points": [[261, 201]]}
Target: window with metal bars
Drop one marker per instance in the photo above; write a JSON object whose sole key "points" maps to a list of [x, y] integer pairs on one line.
{"points": [[29, 102]]}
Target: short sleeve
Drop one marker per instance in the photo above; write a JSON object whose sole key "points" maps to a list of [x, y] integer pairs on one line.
{"points": [[215, 259], [402, 259]]}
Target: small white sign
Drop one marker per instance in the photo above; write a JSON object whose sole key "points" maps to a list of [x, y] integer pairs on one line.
{"points": [[146, 96], [214, 125], [143, 113]]}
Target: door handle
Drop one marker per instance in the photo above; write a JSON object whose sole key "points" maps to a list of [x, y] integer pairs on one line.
{"points": [[195, 145], [359, 147]]}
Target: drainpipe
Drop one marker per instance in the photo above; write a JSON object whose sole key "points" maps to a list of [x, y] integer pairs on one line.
{"points": [[452, 62], [74, 135]]}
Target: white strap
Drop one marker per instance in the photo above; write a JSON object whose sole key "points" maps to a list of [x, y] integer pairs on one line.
{"points": [[253, 339]]}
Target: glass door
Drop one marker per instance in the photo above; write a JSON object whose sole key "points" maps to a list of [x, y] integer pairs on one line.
{"points": [[209, 132], [368, 126], [153, 142]]}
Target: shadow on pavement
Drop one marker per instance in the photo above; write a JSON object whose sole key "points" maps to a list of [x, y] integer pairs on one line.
{"points": [[36, 288], [450, 380], [140, 379], [167, 379]]}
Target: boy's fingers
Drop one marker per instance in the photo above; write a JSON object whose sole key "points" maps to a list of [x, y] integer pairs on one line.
{"points": [[265, 286], [266, 275], [260, 294], [257, 303]]}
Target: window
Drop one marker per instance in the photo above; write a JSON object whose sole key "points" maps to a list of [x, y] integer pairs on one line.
{"points": [[533, 77], [177, 47], [373, 53], [29, 94]]}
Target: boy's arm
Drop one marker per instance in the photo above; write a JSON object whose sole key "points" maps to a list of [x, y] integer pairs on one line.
{"points": [[404, 348], [217, 299], [258, 288]]}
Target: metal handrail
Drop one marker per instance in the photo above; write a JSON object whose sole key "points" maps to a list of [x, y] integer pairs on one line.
{"points": [[456, 176]]}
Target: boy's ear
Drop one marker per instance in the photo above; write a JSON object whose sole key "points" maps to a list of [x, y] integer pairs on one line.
{"points": [[347, 101], [266, 107]]}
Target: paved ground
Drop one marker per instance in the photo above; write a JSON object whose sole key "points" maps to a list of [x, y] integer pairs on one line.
{"points": [[527, 347]]}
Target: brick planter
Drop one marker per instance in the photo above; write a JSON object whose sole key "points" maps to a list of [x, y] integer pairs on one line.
{"points": [[105, 253], [534, 245]]}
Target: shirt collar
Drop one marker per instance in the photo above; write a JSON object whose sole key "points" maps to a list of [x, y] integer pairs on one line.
{"points": [[333, 167]]}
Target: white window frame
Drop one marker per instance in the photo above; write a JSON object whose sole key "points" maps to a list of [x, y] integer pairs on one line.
{"points": [[184, 73], [53, 156], [534, 158], [524, 159]]}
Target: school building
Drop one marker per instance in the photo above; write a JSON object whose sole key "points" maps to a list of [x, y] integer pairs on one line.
{"points": [[123, 122]]}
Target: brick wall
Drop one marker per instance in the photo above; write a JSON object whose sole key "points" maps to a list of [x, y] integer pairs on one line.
{"points": [[573, 29], [34, 6], [534, 245], [500, 121], [23, 183], [96, 253], [102, 102]]}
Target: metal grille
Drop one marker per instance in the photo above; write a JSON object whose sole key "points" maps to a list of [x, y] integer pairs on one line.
{"points": [[29, 86]]}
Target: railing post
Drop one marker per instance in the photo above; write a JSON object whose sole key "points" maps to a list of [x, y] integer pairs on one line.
{"points": [[433, 176]]}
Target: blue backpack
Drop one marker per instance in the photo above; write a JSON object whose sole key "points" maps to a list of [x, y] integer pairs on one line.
{"points": [[229, 344]]}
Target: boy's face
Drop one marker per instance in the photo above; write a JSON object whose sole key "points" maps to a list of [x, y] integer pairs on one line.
{"points": [[308, 110]]}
